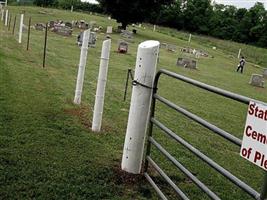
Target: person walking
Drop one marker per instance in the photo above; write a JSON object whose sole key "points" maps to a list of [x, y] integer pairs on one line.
{"points": [[241, 64]]}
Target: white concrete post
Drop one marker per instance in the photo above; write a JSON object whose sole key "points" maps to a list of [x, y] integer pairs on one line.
{"points": [[6, 3], [154, 28], [239, 52], [145, 68], [20, 27], [71, 10], [101, 85], [6, 19], [189, 39], [83, 58]]}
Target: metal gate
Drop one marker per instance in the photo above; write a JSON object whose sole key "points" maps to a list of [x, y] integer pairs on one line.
{"points": [[151, 141]]}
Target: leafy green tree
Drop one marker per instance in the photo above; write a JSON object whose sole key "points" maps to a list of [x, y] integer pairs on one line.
{"points": [[131, 11], [196, 14], [45, 3]]}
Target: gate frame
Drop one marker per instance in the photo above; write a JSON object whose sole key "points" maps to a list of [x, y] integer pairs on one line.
{"points": [[150, 140]]}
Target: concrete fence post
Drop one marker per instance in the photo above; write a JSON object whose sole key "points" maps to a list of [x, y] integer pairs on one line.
{"points": [[83, 58], [239, 53], [6, 19], [101, 85], [190, 36], [154, 28], [21, 27], [145, 68]]}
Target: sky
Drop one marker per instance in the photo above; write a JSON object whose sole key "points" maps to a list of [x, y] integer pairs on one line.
{"points": [[237, 3], [242, 3]]}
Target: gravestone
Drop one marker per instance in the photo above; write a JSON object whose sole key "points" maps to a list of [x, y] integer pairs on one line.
{"points": [[171, 47], [123, 47], [91, 42], [109, 29], [265, 73], [62, 30], [187, 63], [163, 45], [75, 24], [127, 34], [68, 24], [257, 80], [39, 27], [92, 39], [51, 24], [83, 25]]}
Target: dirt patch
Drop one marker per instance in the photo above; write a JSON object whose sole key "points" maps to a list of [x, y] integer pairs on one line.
{"points": [[125, 178], [85, 114], [134, 182], [82, 113]]}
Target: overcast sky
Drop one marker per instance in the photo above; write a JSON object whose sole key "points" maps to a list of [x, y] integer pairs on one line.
{"points": [[242, 3], [237, 3]]}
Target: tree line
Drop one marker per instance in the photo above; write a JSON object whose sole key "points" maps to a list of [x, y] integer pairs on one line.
{"points": [[217, 20], [199, 16]]}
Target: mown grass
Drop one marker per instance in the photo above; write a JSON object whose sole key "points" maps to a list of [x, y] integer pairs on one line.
{"points": [[47, 150]]}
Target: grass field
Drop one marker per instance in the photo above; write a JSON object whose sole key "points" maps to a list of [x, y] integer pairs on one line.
{"points": [[47, 150]]}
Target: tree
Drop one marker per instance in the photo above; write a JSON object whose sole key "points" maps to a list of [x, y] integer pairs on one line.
{"points": [[45, 3], [131, 11], [196, 14]]}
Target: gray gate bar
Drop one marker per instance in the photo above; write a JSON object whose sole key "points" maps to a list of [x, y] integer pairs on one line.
{"points": [[162, 196], [202, 186], [201, 121], [204, 86], [209, 161], [162, 173]]}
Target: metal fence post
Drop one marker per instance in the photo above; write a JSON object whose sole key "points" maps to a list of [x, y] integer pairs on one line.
{"points": [[145, 69], [9, 22], [126, 84], [29, 31], [14, 25], [45, 41]]}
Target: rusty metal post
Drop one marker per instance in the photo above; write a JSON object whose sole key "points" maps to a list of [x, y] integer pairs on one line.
{"points": [[45, 42], [14, 25], [29, 32], [9, 22]]}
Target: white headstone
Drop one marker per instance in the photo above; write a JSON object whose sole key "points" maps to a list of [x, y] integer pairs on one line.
{"points": [[109, 29]]}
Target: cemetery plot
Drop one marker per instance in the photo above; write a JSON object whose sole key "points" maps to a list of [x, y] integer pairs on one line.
{"points": [[92, 39], [257, 80], [186, 63], [196, 52], [127, 34], [122, 46], [39, 26]]}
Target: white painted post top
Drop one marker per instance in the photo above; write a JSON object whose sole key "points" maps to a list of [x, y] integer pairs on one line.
{"points": [[149, 44]]}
